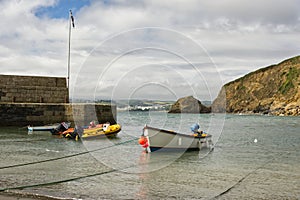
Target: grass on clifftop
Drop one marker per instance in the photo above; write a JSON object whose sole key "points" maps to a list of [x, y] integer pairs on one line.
{"points": [[290, 76]]}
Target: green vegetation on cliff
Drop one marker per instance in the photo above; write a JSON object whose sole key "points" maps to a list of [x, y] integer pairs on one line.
{"points": [[289, 78]]}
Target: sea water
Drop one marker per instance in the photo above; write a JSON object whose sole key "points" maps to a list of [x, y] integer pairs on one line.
{"points": [[254, 157]]}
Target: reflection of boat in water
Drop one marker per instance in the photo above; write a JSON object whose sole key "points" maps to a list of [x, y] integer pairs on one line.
{"points": [[154, 139], [100, 130], [50, 127]]}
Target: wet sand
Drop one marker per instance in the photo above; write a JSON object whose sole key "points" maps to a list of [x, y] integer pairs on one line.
{"points": [[15, 196]]}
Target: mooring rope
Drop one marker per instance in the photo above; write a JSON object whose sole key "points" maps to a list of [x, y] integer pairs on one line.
{"points": [[246, 176], [70, 179], [55, 182], [68, 156], [114, 170], [74, 179]]}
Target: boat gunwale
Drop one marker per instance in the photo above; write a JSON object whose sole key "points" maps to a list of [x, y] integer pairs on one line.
{"points": [[176, 133], [86, 135], [101, 135], [47, 127]]}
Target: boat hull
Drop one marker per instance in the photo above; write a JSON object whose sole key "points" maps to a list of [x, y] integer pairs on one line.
{"points": [[111, 131], [165, 140], [50, 127], [42, 128]]}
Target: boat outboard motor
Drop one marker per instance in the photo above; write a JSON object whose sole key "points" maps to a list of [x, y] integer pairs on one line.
{"points": [[78, 131], [60, 128], [195, 128]]}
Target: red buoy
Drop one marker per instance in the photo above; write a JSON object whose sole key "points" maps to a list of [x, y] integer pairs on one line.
{"points": [[142, 140]]}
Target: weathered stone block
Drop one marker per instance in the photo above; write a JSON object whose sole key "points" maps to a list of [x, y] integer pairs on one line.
{"points": [[22, 114], [33, 89]]}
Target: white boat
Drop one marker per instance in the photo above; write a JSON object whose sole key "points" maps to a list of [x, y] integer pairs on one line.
{"points": [[50, 127], [42, 128], [169, 140]]}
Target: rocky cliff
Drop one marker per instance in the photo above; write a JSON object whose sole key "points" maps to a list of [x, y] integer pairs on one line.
{"points": [[272, 90], [189, 105]]}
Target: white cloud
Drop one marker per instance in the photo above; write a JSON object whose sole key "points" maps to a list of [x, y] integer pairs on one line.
{"points": [[232, 37]]}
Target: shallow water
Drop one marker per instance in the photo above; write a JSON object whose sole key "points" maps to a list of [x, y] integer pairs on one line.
{"points": [[255, 157]]}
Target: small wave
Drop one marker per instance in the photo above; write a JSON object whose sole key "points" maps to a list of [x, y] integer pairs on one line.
{"points": [[52, 151]]}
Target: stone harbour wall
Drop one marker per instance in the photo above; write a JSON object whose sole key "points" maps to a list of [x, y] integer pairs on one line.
{"points": [[83, 113], [33, 89], [35, 100], [35, 114]]}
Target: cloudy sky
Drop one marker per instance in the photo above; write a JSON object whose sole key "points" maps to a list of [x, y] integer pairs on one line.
{"points": [[158, 49]]}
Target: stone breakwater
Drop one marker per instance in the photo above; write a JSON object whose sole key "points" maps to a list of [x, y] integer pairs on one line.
{"points": [[36, 100], [22, 114], [33, 89]]}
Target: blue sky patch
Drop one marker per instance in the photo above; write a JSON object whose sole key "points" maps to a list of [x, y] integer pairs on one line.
{"points": [[61, 8]]}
